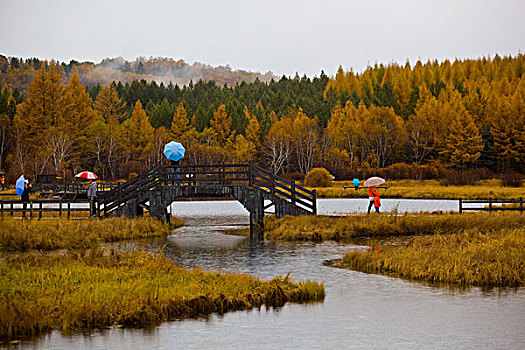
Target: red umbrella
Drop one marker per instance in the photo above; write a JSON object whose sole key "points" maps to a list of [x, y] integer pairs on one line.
{"points": [[374, 181], [87, 175]]}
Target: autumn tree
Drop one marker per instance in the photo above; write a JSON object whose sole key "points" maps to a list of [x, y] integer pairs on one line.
{"points": [[464, 144], [138, 135], [75, 124], [421, 129], [180, 124], [387, 132], [221, 124], [111, 108], [345, 129], [278, 144], [305, 135], [508, 129], [161, 137], [247, 147]]}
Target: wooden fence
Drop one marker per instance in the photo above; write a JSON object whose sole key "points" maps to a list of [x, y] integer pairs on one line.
{"points": [[42, 207], [492, 205]]}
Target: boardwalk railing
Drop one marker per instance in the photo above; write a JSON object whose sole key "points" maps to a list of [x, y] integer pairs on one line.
{"points": [[43, 207], [72, 190], [492, 205]]}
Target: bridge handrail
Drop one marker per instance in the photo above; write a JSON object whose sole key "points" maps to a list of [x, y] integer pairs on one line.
{"points": [[277, 177]]}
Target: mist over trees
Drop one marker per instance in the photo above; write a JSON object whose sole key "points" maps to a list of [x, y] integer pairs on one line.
{"points": [[458, 115], [160, 70]]}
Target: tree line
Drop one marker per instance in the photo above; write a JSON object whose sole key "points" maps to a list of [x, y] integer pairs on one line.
{"points": [[460, 115]]}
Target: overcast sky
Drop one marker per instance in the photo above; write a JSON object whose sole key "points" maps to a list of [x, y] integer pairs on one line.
{"points": [[282, 36]]}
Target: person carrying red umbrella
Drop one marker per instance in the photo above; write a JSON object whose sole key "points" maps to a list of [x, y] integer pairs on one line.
{"points": [[91, 191], [373, 194]]}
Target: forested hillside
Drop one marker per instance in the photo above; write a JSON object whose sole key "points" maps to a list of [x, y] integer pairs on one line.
{"points": [[18, 73], [436, 115]]}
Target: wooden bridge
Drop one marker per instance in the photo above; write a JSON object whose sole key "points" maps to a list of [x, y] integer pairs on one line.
{"points": [[251, 185]]}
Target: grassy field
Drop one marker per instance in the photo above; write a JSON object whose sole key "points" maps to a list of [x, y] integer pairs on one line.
{"points": [[22, 235], [470, 257], [319, 228], [427, 189], [88, 289]]}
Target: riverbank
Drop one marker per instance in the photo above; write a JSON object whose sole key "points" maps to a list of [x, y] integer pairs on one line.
{"points": [[471, 257], [22, 235], [339, 228], [90, 289], [426, 189]]}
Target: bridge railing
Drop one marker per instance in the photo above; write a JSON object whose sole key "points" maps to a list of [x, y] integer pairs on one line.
{"points": [[126, 191], [281, 187]]}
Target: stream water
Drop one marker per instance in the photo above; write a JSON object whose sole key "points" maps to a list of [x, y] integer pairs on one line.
{"points": [[361, 311]]}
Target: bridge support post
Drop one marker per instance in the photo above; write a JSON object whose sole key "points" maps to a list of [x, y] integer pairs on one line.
{"points": [[256, 216]]}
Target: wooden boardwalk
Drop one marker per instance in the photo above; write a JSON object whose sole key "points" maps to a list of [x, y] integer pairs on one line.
{"points": [[492, 204]]}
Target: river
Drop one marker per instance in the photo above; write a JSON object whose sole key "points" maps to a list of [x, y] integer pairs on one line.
{"points": [[361, 311]]}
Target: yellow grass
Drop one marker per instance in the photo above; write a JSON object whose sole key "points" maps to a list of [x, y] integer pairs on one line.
{"points": [[22, 235], [470, 257], [89, 289], [319, 228]]}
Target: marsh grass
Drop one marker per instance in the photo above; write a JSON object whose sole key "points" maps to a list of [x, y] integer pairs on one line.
{"points": [[470, 257], [22, 235], [87, 289], [427, 189], [340, 228]]}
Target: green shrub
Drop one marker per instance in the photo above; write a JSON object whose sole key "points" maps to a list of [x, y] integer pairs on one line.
{"points": [[318, 177]]}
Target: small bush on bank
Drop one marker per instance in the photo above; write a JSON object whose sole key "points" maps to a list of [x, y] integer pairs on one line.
{"points": [[511, 179], [318, 177]]}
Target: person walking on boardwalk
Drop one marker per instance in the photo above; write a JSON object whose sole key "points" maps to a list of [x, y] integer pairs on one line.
{"points": [[377, 202], [2, 181], [372, 195], [92, 196]]}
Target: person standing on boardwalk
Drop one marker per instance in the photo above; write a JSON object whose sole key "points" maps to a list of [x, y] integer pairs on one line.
{"points": [[2, 181], [92, 196], [25, 196], [372, 195]]}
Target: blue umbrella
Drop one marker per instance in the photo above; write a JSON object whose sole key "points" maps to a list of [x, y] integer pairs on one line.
{"points": [[20, 185], [174, 151]]}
